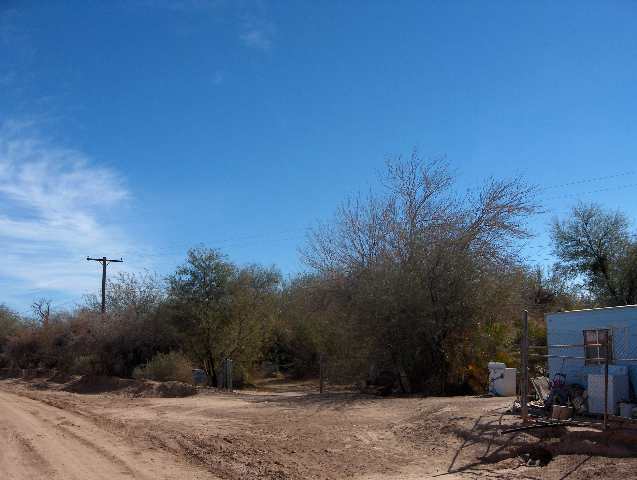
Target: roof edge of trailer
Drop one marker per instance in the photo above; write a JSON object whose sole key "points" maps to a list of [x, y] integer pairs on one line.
{"points": [[591, 310]]}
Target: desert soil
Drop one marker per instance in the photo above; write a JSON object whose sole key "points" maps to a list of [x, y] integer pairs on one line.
{"points": [[287, 433]]}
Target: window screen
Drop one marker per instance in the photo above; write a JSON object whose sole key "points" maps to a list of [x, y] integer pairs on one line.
{"points": [[596, 343]]}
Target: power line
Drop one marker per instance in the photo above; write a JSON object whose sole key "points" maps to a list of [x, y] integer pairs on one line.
{"points": [[168, 251], [618, 187], [176, 248], [588, 180]]}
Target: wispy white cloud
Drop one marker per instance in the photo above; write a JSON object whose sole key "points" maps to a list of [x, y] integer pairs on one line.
{"points": [[257, 38], [257, 29], [55, 209]]}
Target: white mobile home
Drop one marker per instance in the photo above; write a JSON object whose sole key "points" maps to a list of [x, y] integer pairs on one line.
{"points": [[582, 327]]}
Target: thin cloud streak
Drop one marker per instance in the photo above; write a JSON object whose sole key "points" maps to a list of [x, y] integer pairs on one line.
{"points": [[54, 210], [256, 38], [257, 29]]}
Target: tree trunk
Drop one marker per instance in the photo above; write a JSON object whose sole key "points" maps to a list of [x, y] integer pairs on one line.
{"points": [[209, 368]]}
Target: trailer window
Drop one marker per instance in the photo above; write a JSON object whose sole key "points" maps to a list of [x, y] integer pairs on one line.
{"points": [[596, 343]]}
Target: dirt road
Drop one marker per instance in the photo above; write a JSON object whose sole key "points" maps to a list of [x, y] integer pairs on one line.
{"points": [[43, 442], [46, 432]]}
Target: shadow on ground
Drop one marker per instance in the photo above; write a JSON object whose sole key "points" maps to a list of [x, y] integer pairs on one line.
{"points": [[537, 447]]}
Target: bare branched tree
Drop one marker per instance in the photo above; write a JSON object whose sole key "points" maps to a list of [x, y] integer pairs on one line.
{"points": [[420, 210], [409, 263], [42, 310]]}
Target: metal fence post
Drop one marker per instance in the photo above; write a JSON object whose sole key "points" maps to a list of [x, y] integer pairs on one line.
{"points": [[229, 374], [525, 367], [606, 362], [321, 374], [222, 377]]}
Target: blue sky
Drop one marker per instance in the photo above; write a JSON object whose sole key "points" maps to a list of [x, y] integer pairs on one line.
{"points": [[140, 128]]}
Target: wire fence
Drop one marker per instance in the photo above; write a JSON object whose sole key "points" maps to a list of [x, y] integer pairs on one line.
{"points": [[577, 353]]}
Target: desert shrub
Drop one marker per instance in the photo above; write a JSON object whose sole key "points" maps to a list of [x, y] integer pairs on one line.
{"points": [[9, 324], [164, 367], [85, 365], [134, 329], [24, 349], [124, 340]]}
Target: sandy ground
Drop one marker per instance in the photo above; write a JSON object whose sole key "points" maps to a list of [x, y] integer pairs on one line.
{"points": [[40, 441], [287, 434]]}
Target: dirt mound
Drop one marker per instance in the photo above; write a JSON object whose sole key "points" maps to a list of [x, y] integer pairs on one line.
{"points": [[91, 384], [59, 377], [40, 386], [175, 389]]}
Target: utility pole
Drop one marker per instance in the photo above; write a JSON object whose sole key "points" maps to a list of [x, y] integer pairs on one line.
{"points": [[104, 261]]}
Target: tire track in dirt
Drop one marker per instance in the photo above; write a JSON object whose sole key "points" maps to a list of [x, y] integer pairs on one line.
{"points": [[18, 458], [45, 442]]}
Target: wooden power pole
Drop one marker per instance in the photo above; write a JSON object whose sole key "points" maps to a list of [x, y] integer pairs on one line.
{"points": [[104, 261]]}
